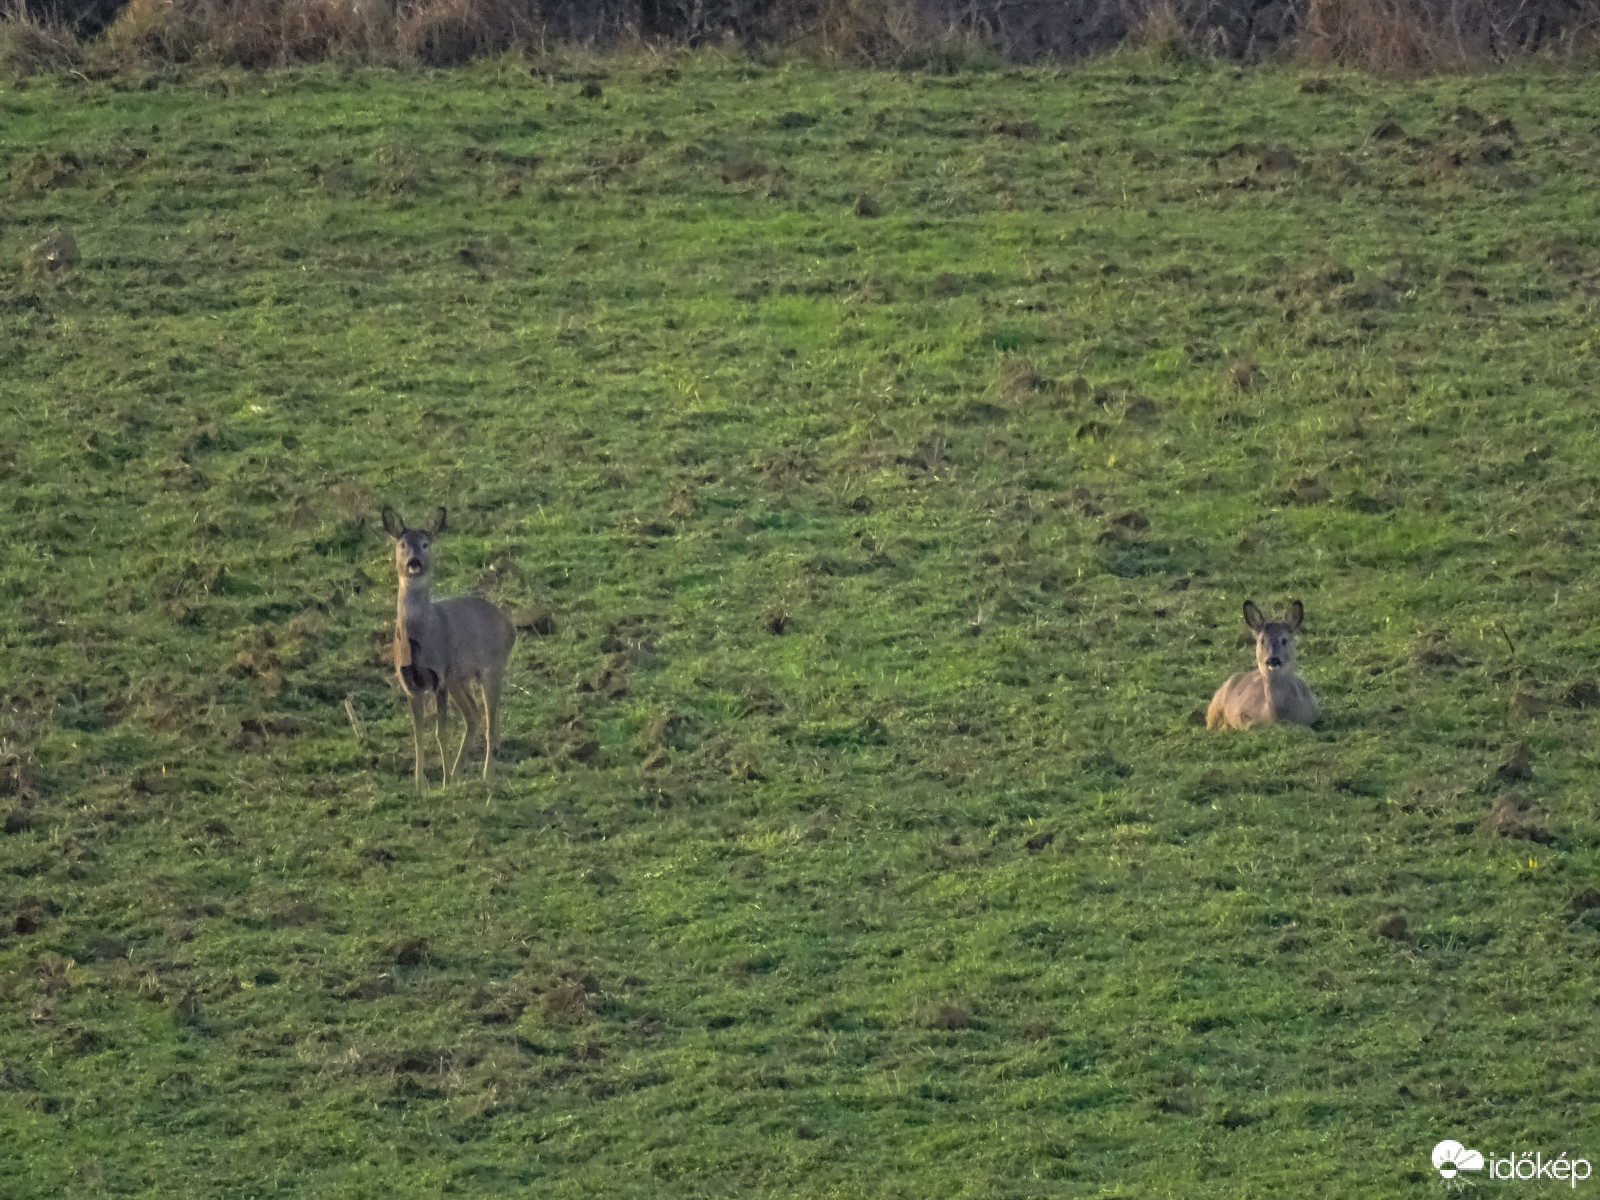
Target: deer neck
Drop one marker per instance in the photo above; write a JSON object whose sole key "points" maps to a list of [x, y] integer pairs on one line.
{"points": [[415, 609], [1281, 686]]}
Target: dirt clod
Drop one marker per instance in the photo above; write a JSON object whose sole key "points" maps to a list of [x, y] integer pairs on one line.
{"points": [[410, 952], [1308, 490], [1392, 926], [1514, 816], [298, 913], [743, 170], [1516, 768], [664, 728], [45, 171], [1245, 375], [1583, 694], [1526, 703], [110, 947], [1183, 1102], [1023, 130], [1132, 519], [682, 505], [1332, 167], [949, 1017], [1276, 158], [373, 988], [1080, 500], [567, 1003], [56, 254], [255, 731], [1019, 377], [17, 776], [1583, 902], [1433, 649], [1125, 527], [539, 621]]}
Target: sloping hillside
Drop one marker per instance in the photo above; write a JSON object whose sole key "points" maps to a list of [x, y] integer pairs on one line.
{"points": [[877, 465]]}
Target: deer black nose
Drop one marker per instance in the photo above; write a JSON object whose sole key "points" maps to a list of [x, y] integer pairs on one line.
{"points": [[1274, 661], [414, 564]]}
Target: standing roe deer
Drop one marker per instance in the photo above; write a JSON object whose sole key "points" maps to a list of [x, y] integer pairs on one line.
{"points": [[1272, 693], [441, 649]]}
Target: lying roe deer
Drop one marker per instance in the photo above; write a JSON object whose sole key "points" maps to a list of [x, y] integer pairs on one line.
{"points": [[441, 649], [1272, 693]]}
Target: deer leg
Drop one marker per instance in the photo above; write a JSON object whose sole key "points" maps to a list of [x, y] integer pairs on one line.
{"points": [[419, 703], [491, 683], [462, 695], [441, 706]]}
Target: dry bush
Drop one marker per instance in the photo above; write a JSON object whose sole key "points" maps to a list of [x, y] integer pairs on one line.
{"points": [[249, 33], [872, 31], [446, 33], [1390, 36], [1161, 28], [32, 45], [929, 35], [146, 29], [1417, 36]]}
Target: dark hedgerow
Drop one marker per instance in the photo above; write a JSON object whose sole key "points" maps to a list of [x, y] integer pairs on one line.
{"points": [[1386, 35]]}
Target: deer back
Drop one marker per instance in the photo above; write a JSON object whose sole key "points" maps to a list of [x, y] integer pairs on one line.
{"points": [[476, 636]]}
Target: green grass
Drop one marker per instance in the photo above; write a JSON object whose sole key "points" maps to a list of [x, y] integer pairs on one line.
{"points": [[939, 891]]}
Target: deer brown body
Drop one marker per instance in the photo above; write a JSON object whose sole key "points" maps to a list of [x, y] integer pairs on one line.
{"points": [[1273, 693], [442, 648]]}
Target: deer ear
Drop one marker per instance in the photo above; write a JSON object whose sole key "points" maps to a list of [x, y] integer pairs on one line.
{"points": [[438, 521], [1297, 614], [1253, 617], [392, 524]]}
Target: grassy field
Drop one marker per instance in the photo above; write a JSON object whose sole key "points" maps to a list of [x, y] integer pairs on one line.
{"points": [[877, 464]]}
